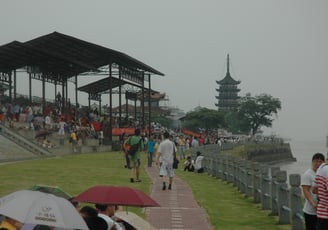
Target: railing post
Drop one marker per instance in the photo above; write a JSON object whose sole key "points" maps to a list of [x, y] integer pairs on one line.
{"points": [[220, 168], [242, 176], [283, 198], [211, 168], [209, 164], [296, 202], [249, 179], [238, 173], [266, 196], [230, 168], [224, 168], [235, 171], [206, 161], [274, 191], [256, 182]]}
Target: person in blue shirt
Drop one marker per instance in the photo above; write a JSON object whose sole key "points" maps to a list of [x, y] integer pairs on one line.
{"points": [[150, 149]]}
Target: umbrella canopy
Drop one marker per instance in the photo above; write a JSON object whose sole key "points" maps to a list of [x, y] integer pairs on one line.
{"points": [[133, 219], [116, 195], [41, 227], [34, 207], [51, 189]]}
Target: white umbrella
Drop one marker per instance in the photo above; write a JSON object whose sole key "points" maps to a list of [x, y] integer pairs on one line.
{"points": [[34, 207], [133, 219]]}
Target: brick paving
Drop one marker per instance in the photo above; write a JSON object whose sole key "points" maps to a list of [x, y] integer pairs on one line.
{"points": [[178, 209]]}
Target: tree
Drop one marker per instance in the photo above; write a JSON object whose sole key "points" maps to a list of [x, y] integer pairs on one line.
{"points": [[258, 111], [234, 124], [164, 121], [204, 118]]}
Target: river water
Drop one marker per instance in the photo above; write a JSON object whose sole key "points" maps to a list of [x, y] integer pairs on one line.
{"points": [[303, 152]]}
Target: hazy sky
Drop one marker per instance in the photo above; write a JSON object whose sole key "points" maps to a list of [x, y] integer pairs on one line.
{"points": [[279, 47]]}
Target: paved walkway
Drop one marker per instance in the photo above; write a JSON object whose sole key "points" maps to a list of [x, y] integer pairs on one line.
{"points": [[178, 209]]}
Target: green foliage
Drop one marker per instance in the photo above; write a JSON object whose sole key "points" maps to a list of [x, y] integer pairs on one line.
{"points": [[258, 111], [204, 118], [234, 124], [227, 208], [164, 121], [73, 174], [253, 113]]}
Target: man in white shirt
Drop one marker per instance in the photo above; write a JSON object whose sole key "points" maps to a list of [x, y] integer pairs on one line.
{"points": [[166, 151], [194, 142]]}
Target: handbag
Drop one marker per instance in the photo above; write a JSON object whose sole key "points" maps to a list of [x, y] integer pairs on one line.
{"points": [[175, 163], [175, 159]]}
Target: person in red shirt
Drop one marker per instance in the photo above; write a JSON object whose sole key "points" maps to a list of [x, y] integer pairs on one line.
{"points": [[320, 187]]}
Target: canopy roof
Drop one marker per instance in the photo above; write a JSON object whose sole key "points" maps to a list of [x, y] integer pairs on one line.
{"points": [[16, 55], [57, 55], [102, 85]]}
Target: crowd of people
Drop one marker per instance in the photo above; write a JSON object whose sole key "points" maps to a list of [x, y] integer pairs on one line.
{"points": [[165, 150]]}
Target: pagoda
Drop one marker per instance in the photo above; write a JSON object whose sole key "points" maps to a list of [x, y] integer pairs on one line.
{"points": [[228, 99]]}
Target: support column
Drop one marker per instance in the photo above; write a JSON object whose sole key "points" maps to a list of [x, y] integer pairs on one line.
{"points": [[143, 101], [119, 96], [15, 85], [76, 97], [63, 97], [43, 95], [10, 87], [30, 88], [149, 105], [110, 105], [126, 106]]}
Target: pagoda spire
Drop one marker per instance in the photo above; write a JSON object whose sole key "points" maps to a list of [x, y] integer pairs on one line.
{"points": [[228, 71]]}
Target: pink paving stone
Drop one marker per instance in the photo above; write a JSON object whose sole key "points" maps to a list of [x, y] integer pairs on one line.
{"points": [[178, 209]]}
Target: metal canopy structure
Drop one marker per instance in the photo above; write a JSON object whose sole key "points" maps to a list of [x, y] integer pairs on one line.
{"points": [[102, 85], [85, 53], [58, 58], [17, 55], [106, 86]]}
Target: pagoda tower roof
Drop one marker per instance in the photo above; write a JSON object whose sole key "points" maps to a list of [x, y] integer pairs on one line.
{"points": [[228, 80]]}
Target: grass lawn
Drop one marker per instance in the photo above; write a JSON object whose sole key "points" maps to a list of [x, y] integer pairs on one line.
{"points": [[227, 208]]}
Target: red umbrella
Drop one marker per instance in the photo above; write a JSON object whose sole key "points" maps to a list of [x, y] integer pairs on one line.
{"points": [[116, 195]]}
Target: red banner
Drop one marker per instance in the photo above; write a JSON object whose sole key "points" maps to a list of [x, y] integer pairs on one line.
{"points": [[190, 133]]}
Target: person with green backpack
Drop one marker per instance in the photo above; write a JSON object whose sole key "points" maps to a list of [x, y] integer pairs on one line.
{"points": [[136, 146]]}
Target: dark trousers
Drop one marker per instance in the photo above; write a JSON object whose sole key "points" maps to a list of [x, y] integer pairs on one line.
{"points": [[310, 222], [201, 170], [150, 159], [322, 224], [127, 161]]}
